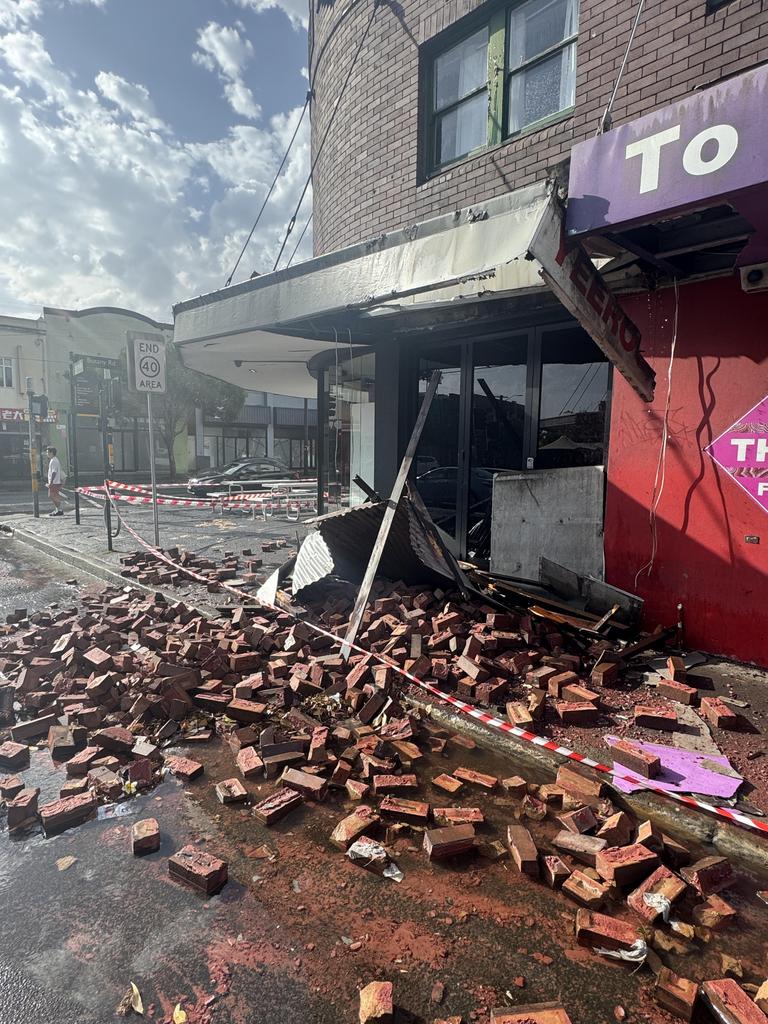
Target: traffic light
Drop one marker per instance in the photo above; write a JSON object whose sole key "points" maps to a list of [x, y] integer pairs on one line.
{"points": [[40, 406]]}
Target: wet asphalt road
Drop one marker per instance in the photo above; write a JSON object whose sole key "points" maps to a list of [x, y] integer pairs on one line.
{"points": [[29, 579]]}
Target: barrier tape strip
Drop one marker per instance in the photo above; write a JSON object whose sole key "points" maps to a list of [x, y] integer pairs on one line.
{"points": [[735, 817], [272, 503]]}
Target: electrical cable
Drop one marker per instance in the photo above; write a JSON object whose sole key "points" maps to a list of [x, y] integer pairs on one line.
{"points": [[271, 188], [301, 239], [326, 133], [605, 121], [661, 465]]}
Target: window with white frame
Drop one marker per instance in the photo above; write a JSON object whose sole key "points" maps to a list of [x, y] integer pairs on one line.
{"points": [[6, 372], [511, 72]]}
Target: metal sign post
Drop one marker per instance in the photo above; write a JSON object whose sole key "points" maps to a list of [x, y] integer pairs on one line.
{"points": [[75, 369], [32, 450], [105, 457], [153, 468], [146, 356]]}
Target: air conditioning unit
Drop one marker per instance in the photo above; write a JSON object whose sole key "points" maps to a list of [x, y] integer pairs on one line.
{"points": [[754, 278]]}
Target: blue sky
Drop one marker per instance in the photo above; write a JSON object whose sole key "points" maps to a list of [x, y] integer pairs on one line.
{"points": [[137, 139]]}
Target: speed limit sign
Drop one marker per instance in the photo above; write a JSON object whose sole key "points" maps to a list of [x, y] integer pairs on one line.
{"points": [[149, 363]]}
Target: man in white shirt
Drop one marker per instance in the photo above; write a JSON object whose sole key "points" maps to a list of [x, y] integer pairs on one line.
{"points": [[54, 481]]}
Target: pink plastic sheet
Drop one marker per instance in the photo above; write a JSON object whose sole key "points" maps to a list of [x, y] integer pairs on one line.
{"points": [[682, 771]]}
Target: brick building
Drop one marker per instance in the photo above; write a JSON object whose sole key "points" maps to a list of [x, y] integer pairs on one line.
{"points": [[560, 207]]}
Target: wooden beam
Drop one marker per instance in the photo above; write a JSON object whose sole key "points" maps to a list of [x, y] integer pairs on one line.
{"points": [[389, 515]]}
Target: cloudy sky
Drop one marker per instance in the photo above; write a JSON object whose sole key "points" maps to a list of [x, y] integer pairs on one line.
{"points": [[137, 140]]}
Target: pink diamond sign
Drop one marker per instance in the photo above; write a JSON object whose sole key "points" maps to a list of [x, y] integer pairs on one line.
{"points": [[742, 451]]}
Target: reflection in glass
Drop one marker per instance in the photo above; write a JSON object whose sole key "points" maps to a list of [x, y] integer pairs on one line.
{"points": [[437, 455], [348, 430]]}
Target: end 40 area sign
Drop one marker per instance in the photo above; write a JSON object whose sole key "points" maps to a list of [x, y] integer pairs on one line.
{"points": [[148, 363]]}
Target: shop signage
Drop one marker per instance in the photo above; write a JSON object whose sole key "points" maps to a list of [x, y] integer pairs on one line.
{"points": [[12, 415], [691, 153], [577, 283], [742, 451]]}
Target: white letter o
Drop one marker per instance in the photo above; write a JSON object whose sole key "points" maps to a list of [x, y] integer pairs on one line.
{"points": [[727, 139]]}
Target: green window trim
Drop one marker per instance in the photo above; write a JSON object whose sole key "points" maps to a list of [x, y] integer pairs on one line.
{"points": [[498, 87]]}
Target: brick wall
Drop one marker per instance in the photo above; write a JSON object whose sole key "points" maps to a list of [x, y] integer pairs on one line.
{"points": [[367, 177]]}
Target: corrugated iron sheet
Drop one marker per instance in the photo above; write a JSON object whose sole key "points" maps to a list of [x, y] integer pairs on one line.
{"points": [[342, 542]]}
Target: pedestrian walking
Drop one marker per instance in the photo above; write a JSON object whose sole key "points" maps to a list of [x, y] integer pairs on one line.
{"points": [[54, 481]]}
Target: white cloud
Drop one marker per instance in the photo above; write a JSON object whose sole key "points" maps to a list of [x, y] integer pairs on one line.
{"points": [[18, 12], [296, 10], [134, 100], [222, 48], [101, 204]]}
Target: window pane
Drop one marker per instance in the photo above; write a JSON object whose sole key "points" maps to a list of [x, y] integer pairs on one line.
{"points": [[575, 379], [462, 129], [461, 70], [536, 26], [437, 455], [543, 89]]}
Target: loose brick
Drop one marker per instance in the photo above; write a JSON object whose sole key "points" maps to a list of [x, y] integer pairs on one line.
{"points": [[105, 782], [533, 1013], [616, 830], [709, 875], [376, 1003], [414, 811], [448, 783], [184, 767], [556, 683], [715, 711], [651, 836], [586, 891], [515, 786], [598, 930], [604, 674], [731, 1003], [523, 850], [632, 756], [448, 842], [519, 715], [353, 826], [81, 762], [575, 780], [662, 882], [198, 869], [714, 914], [356, 790], [115, 739], [625, 865], [675, 994], [575, 693], [10, 786], [655, 718], [680, 692], [476, 778], [554, 870], [581, 848], [581, 820], [676, 669], [63, 814], [145, 836], [311, 787], [275, 807], [458, 816], [231, 791], [394, 783], [22, 809], [249, 763], [576, 713], [13, 755]]}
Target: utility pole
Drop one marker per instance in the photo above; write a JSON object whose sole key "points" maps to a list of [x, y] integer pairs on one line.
{"points": [[73, 437], [33, 466], [105, 456]]}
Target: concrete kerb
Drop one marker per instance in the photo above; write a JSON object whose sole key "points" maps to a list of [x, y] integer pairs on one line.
{"points": [[93, 566], [687, 825]]}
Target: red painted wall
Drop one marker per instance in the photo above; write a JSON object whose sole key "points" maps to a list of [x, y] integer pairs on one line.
{"points": [[720, 371]]}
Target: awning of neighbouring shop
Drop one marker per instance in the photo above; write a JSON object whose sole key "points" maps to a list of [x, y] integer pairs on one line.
{"points": [[262, 333], [681, 191]]}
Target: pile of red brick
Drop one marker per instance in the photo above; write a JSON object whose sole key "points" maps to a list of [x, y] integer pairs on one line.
{"points": [[151, 571], [109, 688]]}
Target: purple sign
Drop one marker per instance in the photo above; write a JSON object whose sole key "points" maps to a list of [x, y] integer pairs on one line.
{"points": [[742, 451], [707, 146]]}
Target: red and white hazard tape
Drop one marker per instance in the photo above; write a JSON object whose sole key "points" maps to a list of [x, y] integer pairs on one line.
{"points": [[134, 499], [727, 813]]}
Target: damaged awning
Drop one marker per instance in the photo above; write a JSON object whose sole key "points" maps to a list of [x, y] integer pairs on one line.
{"points": [[262, 334]]}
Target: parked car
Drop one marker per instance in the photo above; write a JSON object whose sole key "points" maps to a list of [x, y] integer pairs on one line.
{"points": [[241, 475]]}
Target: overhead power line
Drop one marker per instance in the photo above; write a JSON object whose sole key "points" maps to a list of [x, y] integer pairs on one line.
{"points": [[334, 111], [271, 189]]}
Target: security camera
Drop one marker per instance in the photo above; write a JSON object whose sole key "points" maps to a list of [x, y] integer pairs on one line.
{"points": [[238, 363]]}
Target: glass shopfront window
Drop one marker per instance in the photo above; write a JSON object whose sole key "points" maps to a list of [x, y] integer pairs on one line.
{"points": [[347, 429]]}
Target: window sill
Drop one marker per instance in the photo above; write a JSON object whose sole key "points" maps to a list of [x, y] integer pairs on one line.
{"points": [[524, 133]]}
